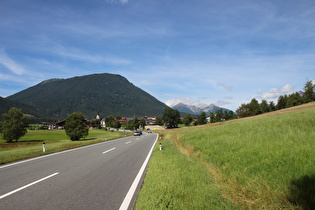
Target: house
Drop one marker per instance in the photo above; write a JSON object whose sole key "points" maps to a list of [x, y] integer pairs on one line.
{"points": [[148, 120]]}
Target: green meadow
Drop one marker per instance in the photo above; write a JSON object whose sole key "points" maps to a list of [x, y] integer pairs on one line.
{"points": [[265, 162], [31, 144]]}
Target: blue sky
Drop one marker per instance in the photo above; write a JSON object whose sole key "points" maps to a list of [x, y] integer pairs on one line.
{"points": [[220, 52]]}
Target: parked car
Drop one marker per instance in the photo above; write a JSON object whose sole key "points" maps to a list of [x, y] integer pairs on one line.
{"points": [[137, 133]]}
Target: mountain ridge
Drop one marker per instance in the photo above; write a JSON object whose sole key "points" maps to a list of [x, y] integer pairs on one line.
{"points": [[107, 94], [198, 108]]}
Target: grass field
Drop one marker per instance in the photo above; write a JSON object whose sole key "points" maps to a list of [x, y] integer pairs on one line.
{"points": [[265, 162], [55, 140]]}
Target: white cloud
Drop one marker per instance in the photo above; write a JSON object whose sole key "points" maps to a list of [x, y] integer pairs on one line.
{"points": [[79, 55], [260, 91], [7, 62], [121, 1], [276, 92], [221, 103], [188, 101], [225, 86]]}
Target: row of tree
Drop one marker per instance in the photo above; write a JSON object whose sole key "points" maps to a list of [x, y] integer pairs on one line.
{"points": [[286, 101]]}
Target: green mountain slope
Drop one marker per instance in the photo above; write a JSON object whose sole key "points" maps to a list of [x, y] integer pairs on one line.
{"points": [[6, 104], [107, 94]]}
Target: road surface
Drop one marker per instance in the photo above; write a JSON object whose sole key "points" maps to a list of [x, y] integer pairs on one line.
{"points": [[98, 176]]}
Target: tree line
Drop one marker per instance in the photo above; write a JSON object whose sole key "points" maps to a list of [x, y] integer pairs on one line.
{"points": [[284, 101]]}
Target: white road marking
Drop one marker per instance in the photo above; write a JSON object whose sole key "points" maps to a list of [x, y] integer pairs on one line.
{"points": [[125, 204], [128, 142], [109, 150], [21, 188], [57, 153]]}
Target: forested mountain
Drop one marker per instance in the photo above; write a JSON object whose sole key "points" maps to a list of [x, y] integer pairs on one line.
{"points": [[106, 94]]}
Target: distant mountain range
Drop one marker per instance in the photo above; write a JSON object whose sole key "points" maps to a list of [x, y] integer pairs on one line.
{"points": [[106, 94], [198, 108]]}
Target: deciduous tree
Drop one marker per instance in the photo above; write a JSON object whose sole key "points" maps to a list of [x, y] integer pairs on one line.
{"points": [[202, 118], [14, 125], [171, 118], [75, 126], [187, 119]]}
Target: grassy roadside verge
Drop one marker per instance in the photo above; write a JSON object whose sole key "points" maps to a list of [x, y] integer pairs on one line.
{"points": [[55, 140], [259, 163], [174, 181]]}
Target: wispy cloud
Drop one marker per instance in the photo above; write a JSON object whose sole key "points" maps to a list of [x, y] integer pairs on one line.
{"points": [[222, 103], [227, 86], [260, 91], [11, 65], [188, 100], [120, 1], [276, 92], [79, 55]]}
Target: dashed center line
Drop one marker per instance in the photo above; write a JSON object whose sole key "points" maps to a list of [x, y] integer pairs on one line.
{"points": [[128, 142], [108, 150]]}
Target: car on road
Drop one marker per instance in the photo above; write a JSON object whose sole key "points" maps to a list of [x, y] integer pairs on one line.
{"points": [[137, 133], [149, 131]]}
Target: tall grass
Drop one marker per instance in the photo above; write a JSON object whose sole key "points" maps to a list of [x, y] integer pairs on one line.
{"points": [[174, 181], [255, 163]]}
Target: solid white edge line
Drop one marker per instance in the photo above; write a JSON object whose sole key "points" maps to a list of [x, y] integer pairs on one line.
{"points": [[109, 150], [125, 204], [21, 188]]}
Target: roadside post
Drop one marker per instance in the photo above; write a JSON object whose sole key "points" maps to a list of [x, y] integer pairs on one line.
{"points": [[44, 149], [160, 146]]}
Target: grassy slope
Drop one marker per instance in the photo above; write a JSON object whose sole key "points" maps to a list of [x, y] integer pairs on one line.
{"points": [[55, 140], [261, 162]]}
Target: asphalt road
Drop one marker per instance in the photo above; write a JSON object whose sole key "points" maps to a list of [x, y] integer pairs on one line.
{"points": [[93, 177]]}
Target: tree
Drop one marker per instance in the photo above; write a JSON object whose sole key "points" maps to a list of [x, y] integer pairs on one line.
{"points": [[309, 94], [218, 115], [272, 106], [75, 126], [143, 123], [96, 123], [110, 121], [134, 124], [117, 124], [264, 106], [14, 125], [282, 102], [202, 118], [294, 99], [212, 117], [171, 118], [254, 107], [159, 121], [230, 115], [187, 119], [243, 111]]}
